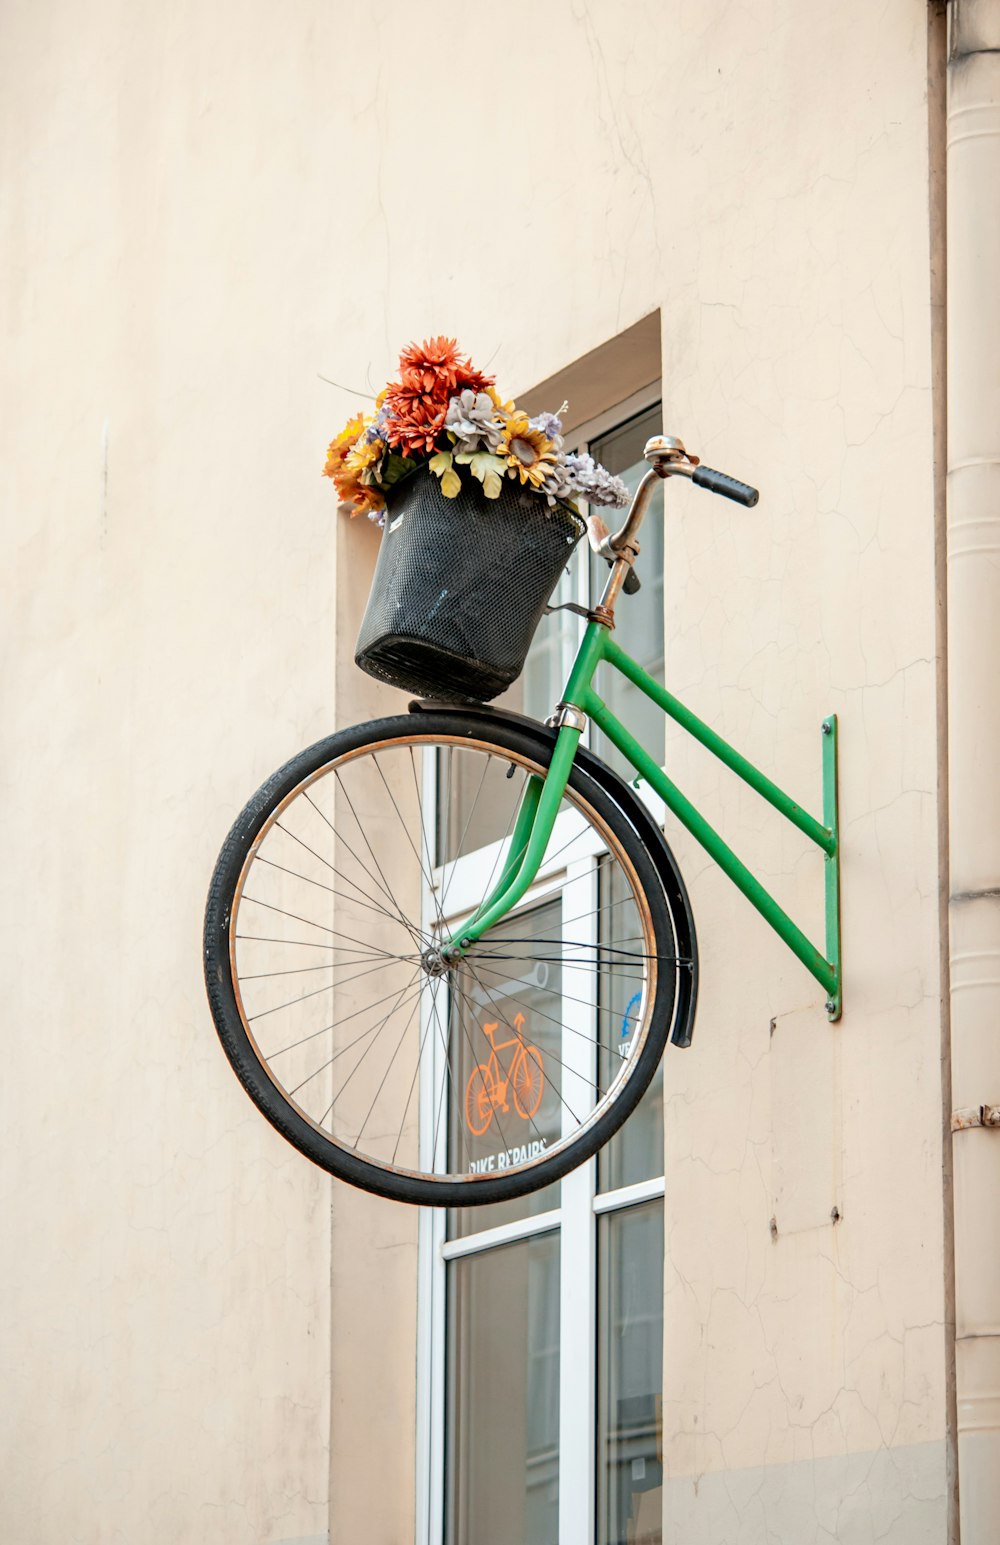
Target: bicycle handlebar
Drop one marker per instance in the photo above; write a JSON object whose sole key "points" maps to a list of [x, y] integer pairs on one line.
{"points": [[728, 487], [667, 458]]}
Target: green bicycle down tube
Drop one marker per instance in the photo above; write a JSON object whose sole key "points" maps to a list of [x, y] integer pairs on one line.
{"points": [[527, 809], [543, 821], [825, 973]]}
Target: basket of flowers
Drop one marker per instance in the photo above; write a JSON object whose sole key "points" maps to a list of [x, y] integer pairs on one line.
{"points": [[478, 505]]}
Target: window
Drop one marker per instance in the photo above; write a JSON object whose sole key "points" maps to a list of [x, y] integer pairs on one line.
{"points": [[617, 442], [540, 1385]]}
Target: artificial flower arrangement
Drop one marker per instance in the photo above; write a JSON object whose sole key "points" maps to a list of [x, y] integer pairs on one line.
{"points": [[445, 414]]}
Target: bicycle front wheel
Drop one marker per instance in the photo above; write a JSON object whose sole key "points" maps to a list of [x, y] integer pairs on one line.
{"points": [[360, 1041]]}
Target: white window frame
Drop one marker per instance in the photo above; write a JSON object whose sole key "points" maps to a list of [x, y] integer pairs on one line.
{"points": [[581, 1205], [579, 439]]}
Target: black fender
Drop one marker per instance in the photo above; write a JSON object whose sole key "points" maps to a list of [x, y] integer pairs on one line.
{"points": [[636, 813]]}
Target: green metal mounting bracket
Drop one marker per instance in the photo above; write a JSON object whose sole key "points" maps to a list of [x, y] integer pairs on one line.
{"points": [[831, 819], [826, 968], [542, 797]]}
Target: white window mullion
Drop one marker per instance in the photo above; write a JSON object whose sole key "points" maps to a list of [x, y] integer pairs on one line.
{"points": [[432, 1228], [431, 1330], [578, 1262], [577, 1358], [628, 1196]]}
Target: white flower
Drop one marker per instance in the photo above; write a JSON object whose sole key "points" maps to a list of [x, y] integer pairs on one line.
{"points": [[472, 419]]}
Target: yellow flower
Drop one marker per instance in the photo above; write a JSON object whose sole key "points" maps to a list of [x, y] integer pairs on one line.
{"points": [[364, 454], [348, 459], [528, 452], [341, 444], [505, 409]]}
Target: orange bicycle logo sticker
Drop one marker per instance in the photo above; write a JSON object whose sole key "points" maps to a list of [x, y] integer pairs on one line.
{"points": [[488, 1089]]}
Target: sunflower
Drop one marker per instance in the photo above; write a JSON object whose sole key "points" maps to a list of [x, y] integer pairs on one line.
{"points": [[365, 454], [528, 452], [504, 409]]}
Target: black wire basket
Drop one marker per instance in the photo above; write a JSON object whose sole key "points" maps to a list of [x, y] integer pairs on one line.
{"points": [[461, 585]]}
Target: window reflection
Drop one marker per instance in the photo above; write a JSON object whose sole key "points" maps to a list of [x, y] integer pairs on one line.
{"points": [[506, 1060], [636, 1151], [503, 1395], [638, 618], [630, 1378]]}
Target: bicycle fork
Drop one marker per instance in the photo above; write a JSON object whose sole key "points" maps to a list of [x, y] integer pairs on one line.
{"points": [[536, 818]]}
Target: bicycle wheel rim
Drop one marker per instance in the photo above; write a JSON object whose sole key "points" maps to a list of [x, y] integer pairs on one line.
{"points": [[401, 1167]]}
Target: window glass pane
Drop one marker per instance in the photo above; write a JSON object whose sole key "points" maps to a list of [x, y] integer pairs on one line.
{"points": [[638, 618], [630, 1377], [636, 1151], [551, 653], [476, 802], [503, 1395], [506, 1032]]}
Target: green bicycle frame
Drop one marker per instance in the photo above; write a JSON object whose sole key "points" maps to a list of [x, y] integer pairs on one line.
{"points": [[543, 796]]}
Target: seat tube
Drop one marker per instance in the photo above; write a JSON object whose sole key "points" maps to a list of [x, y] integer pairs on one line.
{"points": [[589, 656]]}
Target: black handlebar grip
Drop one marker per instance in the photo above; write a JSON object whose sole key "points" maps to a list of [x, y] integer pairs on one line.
{"points": [[722, 483], [632, 583]]}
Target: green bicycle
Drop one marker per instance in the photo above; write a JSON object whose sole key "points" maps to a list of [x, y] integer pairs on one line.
{"points": [[398, 891]]}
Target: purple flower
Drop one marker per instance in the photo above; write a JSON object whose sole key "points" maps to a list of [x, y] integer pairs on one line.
{"points": [[551, 426], [586, 477], [374, 430]]}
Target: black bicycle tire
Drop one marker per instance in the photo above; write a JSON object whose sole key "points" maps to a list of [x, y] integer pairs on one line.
{"points": [[669, 930]]}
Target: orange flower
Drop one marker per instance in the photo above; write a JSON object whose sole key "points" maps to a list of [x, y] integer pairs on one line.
{"points": [[361, 496], [436, 367], [416, 417], [430, 374]]}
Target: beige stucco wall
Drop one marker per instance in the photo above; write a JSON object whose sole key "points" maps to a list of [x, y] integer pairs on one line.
{"points": [[205, 208]]}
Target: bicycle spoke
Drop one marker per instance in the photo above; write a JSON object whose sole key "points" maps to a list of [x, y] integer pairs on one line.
{"points": [[416, 1074], [406, 830], [369, 901], [424, 843], [337, 1024], [384, 885], [375, 1030], [385, 1075], [468, 820], [364, 1054], [353, 900], [327, 987], [445, 1041], [595, 1040], [475, 1061], [488, 887], [562, 1100], [316, 944], [578, 962], [334, 932], [381, 883]]}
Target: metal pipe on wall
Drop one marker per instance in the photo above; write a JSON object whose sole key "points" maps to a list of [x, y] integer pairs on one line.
{"points": [[973, 502]]}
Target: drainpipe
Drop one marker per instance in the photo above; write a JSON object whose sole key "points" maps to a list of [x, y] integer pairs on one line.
{"points": [[973, 504]]}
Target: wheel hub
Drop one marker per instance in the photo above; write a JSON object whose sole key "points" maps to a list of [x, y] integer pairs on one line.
{"points": [[436, 963]]}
